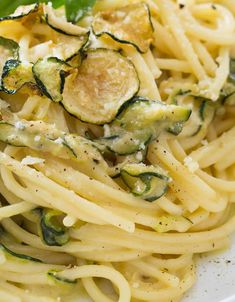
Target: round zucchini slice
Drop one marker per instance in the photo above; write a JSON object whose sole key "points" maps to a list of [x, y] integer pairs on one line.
{"points": [[130, 24], [148, 182], [15, 75], [100, 86], [50, 76], [9, 49]]}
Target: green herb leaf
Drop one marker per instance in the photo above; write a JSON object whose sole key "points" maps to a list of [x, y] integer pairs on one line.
{"points": [[77, 9]]}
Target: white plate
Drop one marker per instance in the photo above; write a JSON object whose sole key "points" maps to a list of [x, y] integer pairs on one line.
{"points": [[216, 278]]}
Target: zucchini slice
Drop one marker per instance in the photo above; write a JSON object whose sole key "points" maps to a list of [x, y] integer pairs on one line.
{"points": [[148, 182], [227, 95], [60, 24], [50, 77], [68, 47], [104, 81], [22, 11], [15, 75], [53, 274], [202, 113], [51, 228], [231, 77], [9, 49], [139, 121], [130, 24], [70, 38], [21, 257], [126, 143], [141, 113], [44, 137]]}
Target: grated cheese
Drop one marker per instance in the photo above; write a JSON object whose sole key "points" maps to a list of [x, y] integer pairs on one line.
{"points": [[135, 285], [19, 125], [191, 164], [107, 130], [204, 142], [59, 140], [37, 138], [29, 160], [139, 156], [69, 221]]}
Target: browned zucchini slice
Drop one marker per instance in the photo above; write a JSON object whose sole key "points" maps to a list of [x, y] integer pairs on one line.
{"points": [[60, 24], [15, 75], [9, 49], [68, 47], [149, 182], [104, 81], [22, 11], [50, 74], [130, 24]]}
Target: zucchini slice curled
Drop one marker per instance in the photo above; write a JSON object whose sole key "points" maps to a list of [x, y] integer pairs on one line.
{"points": [[148, 182], [202, 113], [60, 24], [9, 49], [101, 85], [130, 24], [15, 75], [70, 38], [40, 136], [22, 12], [53, 275], [21, 257], [227, 94], [51, 229], [68, 47], [139, 121], [50, 77]]}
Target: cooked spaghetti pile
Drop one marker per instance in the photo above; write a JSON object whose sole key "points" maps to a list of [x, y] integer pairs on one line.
{"points": [[117, 140]]}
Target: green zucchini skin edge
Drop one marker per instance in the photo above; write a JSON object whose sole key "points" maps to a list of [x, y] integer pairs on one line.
{"points": [[145, 177], [52, 274], [205, 102], [62, 74], [224, 96], [125, 41], [83, 52], [10, 17], [138, 148], [50, 234], [11, 45], [144, 139], [58, 29], [10, 65], [231, 77], [20, 256]]}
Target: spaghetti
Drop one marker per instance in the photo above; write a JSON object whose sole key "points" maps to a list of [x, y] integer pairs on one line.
{"points": [[126, 181]]}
